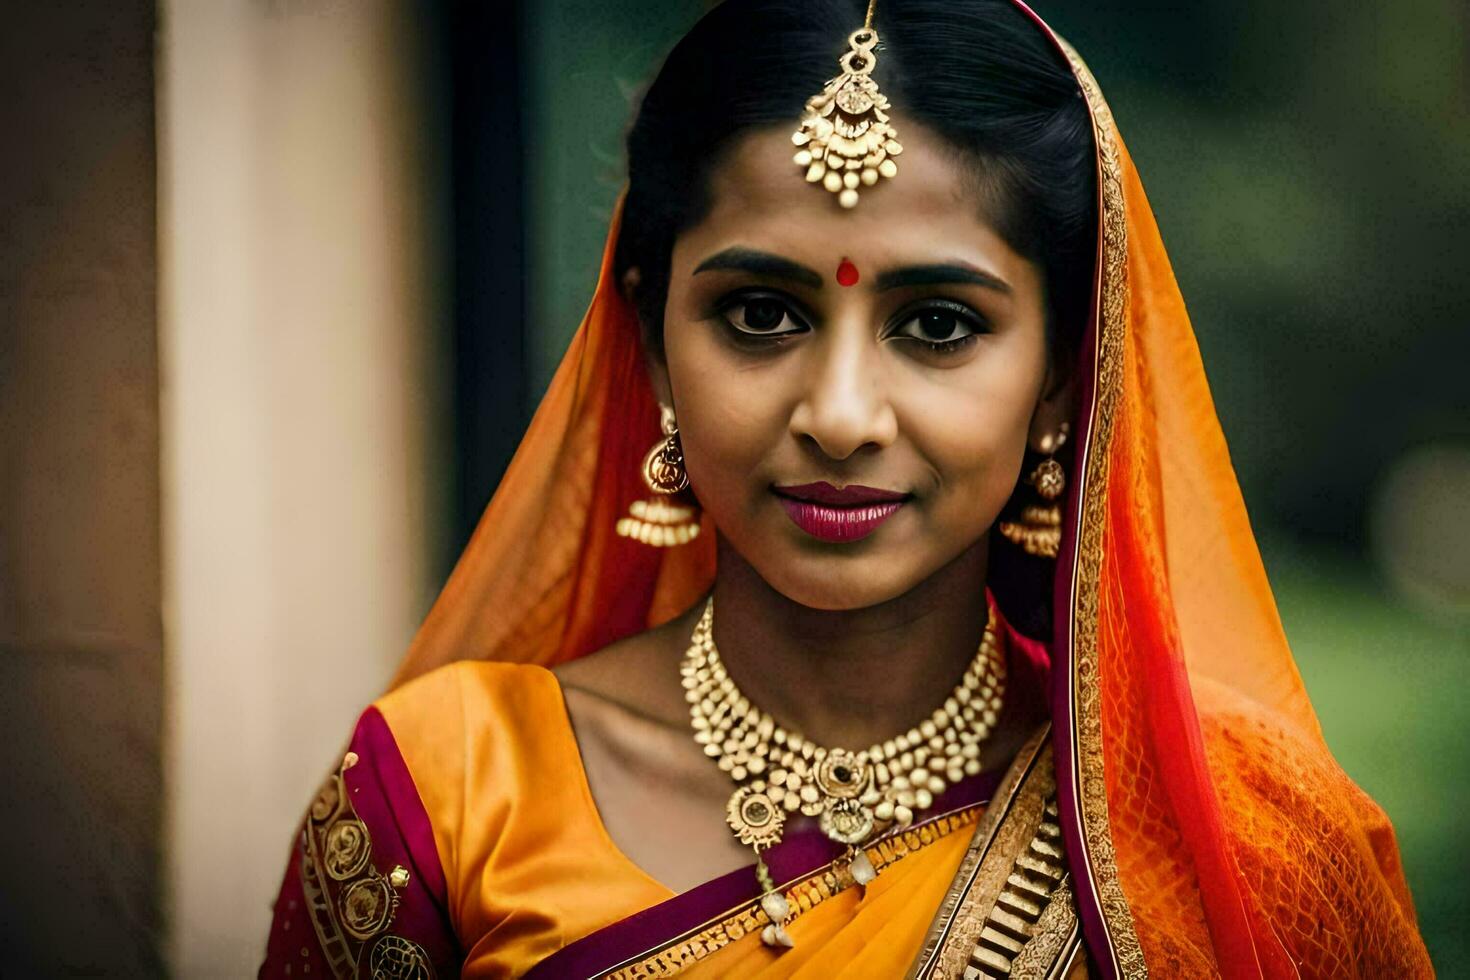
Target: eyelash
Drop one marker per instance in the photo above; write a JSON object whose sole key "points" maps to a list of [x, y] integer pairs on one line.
{"points": [[754, 337], [968, 317]]}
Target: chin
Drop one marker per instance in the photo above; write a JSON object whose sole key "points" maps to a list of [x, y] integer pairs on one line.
{"points": [[840, 583]]}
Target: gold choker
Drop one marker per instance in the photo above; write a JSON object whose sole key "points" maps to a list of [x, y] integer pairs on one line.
{"points": [[853, 795]]}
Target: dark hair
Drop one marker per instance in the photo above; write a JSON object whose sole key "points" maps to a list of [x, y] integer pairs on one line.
{"points": [[977, 72]]}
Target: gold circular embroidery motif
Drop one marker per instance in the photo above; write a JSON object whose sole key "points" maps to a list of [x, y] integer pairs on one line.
{"points": [[396, 958], [348, 848], [367, 907]]}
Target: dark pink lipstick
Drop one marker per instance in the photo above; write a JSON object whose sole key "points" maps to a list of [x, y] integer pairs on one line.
{"points": [[848, 514]]}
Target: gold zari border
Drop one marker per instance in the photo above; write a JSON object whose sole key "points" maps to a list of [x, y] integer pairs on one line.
{"points": [[1051, 951], [803, 895], [1010, 912], [1100, 862]]}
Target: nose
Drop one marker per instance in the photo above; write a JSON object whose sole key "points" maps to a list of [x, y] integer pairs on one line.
{"points": [[845, 404]]}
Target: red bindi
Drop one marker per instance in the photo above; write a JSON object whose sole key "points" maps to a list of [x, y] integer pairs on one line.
{"points": [[847, 274]]}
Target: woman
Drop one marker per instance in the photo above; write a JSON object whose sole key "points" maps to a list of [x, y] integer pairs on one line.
{"points": [[942, 646]]}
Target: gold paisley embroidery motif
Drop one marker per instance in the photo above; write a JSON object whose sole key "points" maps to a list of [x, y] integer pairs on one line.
{"points": [[327, 798], [348, 899]]}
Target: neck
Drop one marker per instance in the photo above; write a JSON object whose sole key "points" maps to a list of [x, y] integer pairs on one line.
{"points": [[850, 678]]}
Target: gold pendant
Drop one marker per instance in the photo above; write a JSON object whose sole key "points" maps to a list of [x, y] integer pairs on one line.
{"points": [[755, 818]]}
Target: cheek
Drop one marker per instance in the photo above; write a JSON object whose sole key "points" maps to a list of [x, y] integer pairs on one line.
{"points": [[973, 431], [728, 424]]}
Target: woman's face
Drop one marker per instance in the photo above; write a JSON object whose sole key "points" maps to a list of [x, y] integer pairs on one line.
{"points": [[923, 379]]}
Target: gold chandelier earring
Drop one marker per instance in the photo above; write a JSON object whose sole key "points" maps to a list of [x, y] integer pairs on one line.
{"points": [[1039, 531], [657, 521]]}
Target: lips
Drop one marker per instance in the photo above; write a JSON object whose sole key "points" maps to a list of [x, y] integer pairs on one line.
{"points": [[831, 514]]}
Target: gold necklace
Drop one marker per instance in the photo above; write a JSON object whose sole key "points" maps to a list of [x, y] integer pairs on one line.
{"points": [[853, 795]]}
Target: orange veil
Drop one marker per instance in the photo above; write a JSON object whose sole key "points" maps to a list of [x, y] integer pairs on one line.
{"points": [[1208, 828]]}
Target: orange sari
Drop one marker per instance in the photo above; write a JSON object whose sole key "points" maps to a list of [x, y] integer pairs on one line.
{"points": [[1206, 828]]}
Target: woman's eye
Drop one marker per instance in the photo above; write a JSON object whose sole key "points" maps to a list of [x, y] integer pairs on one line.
{"points": [[762, 315], [940, 327]]}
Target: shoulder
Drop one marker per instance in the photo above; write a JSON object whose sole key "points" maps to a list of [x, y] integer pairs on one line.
{"points": [[449, 695], [1257, 757], [470, 731]]}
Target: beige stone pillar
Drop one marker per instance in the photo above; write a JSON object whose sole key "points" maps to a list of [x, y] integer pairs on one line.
{"points": [[301, 258]]}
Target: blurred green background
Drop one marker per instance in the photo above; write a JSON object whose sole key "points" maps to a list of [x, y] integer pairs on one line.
{"points": [[1310, 168]]}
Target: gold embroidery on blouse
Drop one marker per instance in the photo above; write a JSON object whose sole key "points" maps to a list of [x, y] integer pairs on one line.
{"points": [[346, 850], [396, 958], [348, 900], [367, 906], [804, 895]]}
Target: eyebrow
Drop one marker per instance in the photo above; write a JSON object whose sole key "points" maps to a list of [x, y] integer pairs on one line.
{"points": [[739, 259], [940, 274], [761, 264]]}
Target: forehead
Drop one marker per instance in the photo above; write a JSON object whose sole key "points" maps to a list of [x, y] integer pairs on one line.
{"points": [[932, 207]]}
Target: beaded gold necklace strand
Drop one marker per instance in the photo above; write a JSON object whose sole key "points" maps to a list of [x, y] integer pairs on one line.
{"points": [[853, 795]]}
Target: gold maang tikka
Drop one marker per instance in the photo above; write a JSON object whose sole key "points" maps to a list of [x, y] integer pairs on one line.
{"points": [[845, 138]]}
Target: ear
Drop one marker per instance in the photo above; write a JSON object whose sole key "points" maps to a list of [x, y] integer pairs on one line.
{"points": [[658, 378], [629, 284], [658, 370], [1053, 410]]}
